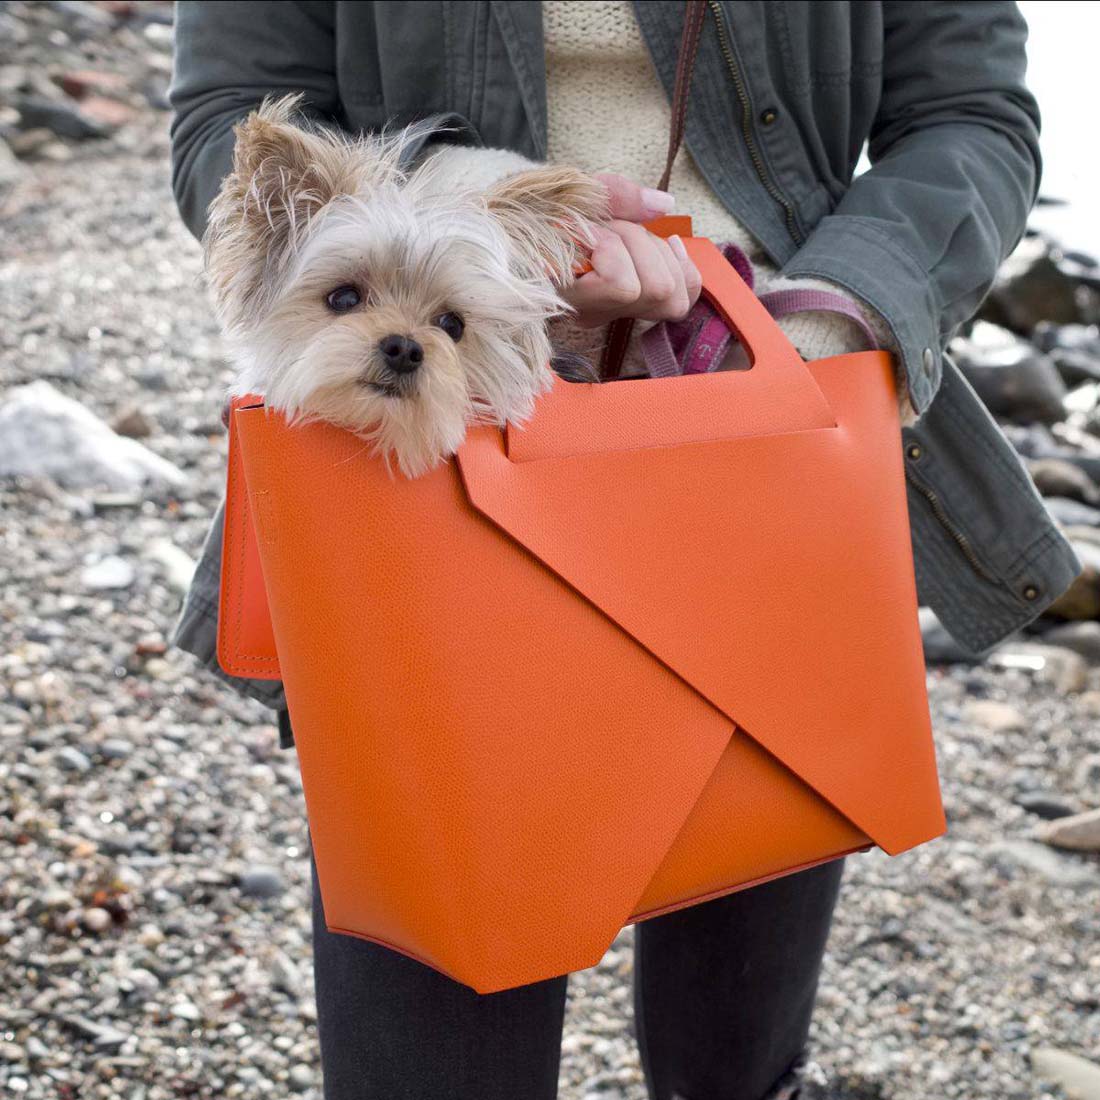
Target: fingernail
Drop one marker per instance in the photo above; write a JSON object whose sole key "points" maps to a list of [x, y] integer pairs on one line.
{"points": [[658, 202], [677, 246]]}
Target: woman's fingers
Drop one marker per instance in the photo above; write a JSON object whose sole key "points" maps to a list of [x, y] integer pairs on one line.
{"points": [[693, 281], [631, 202], [634, 274], [662, 296]]}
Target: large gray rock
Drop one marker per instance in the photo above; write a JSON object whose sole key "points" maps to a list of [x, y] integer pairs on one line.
{"points": [[43, 433], [1054, 477], [1078, 1077], [1036, 859], [1081, 637], [1039, 283], [1014, 379], [1072, 512], [1080, 832], [1063, 669]]}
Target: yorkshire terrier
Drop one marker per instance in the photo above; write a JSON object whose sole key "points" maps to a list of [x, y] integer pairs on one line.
{"points": [[404, 305]]}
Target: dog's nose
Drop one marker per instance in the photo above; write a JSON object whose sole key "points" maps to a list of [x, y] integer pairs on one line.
{"points": [[401, 354]]}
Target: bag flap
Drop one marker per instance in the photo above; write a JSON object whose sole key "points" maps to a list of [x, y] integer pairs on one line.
{"points": [[246, 641], [773, 573]]}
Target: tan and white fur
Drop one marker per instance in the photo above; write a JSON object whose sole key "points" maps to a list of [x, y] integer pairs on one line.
{"points": [[338, 277]]}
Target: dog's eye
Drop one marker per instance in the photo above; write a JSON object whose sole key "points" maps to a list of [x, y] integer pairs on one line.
{"points": [[452, 324], [343, 298]]}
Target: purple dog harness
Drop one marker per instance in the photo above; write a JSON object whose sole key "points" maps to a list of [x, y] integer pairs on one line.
{"points": [[698, 343]]}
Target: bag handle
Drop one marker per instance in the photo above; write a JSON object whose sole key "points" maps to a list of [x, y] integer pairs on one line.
{"points": [[695, 14], [778, 396]]}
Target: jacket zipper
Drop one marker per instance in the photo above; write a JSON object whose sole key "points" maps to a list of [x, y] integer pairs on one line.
{"points": [[939, 512], [746, 123]]}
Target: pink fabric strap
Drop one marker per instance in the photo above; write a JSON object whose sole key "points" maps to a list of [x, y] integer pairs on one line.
{"points": [[698, 343]]}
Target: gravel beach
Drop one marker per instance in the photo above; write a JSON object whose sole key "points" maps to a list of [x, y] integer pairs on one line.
{"points": [[154, 917]]}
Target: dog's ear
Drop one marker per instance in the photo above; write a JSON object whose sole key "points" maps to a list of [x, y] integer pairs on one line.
{"points": [[282, 176], [549, 213]]}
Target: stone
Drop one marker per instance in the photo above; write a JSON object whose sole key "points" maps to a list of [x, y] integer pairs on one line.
{"points": [[300, 1078], [1081, 601], [1072, 512], [994, 716], [1055, 478], [1087, 775], [939, 646], [1078, 1077], [81, 83], [1034, 858], [177, 565], [1079, 832], [63, 119], [261, 881], [108, 112], [11, 171], [28, 143], [1014, 380], [133, 423], [1063, 669], [115, 748], [1043, 805], [109, 572], [103, 1035], [1034, 285], [72, 760], [96, 919], [285, 976], [159, 36], [1081, 637], [44, 433], [185, 1010]]}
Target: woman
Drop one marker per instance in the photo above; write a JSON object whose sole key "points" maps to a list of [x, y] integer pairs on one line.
{"points": [[783, 99]]}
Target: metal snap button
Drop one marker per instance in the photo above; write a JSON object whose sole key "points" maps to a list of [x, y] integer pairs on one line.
{"points": [[914, 451], [1031, 592], [768, 116]]}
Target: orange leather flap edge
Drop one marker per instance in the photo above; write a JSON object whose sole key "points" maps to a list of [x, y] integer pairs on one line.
{"points": [[246, 641], [772, 573]]}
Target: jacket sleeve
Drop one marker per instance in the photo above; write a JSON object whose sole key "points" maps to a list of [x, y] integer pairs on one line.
{"points": [[228, 57], [954, 171]]}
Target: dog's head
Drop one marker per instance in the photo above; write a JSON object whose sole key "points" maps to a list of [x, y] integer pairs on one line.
{"points": [[388, 303]]}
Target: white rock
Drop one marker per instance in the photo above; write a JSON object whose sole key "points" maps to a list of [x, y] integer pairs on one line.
{"points": [[1079, 1077], [43, 433], [1035, 859], [1079, 832], [994, 716], [96, 919], [108, 572], [177, 564]]}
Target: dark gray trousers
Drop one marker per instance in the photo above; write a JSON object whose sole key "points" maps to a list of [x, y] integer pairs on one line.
{"points": [[723, 994]]}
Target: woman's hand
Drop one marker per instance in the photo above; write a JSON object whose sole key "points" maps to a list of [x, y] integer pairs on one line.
{"points": [[634, 273]]}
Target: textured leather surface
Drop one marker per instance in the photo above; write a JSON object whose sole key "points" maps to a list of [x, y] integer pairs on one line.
{"points": [[246, 644], [654, 648]]}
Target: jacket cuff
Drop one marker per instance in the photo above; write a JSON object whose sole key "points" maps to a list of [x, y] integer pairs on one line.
{"points": [[858, 256]]}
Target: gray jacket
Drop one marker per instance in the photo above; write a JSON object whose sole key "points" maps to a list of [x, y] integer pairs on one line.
{"points": [[785, 95]]}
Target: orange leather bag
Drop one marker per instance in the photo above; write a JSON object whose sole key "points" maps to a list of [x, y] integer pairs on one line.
{"points": [[658, 645]]}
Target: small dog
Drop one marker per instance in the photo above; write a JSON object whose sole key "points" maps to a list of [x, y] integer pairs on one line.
{"points": [[404, 306]]}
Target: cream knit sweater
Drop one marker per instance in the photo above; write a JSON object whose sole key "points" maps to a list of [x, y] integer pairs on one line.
{"points": [[608, 113]]}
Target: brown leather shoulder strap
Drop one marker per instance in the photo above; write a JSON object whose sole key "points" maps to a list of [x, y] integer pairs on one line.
{"points": [[695, 14]]}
